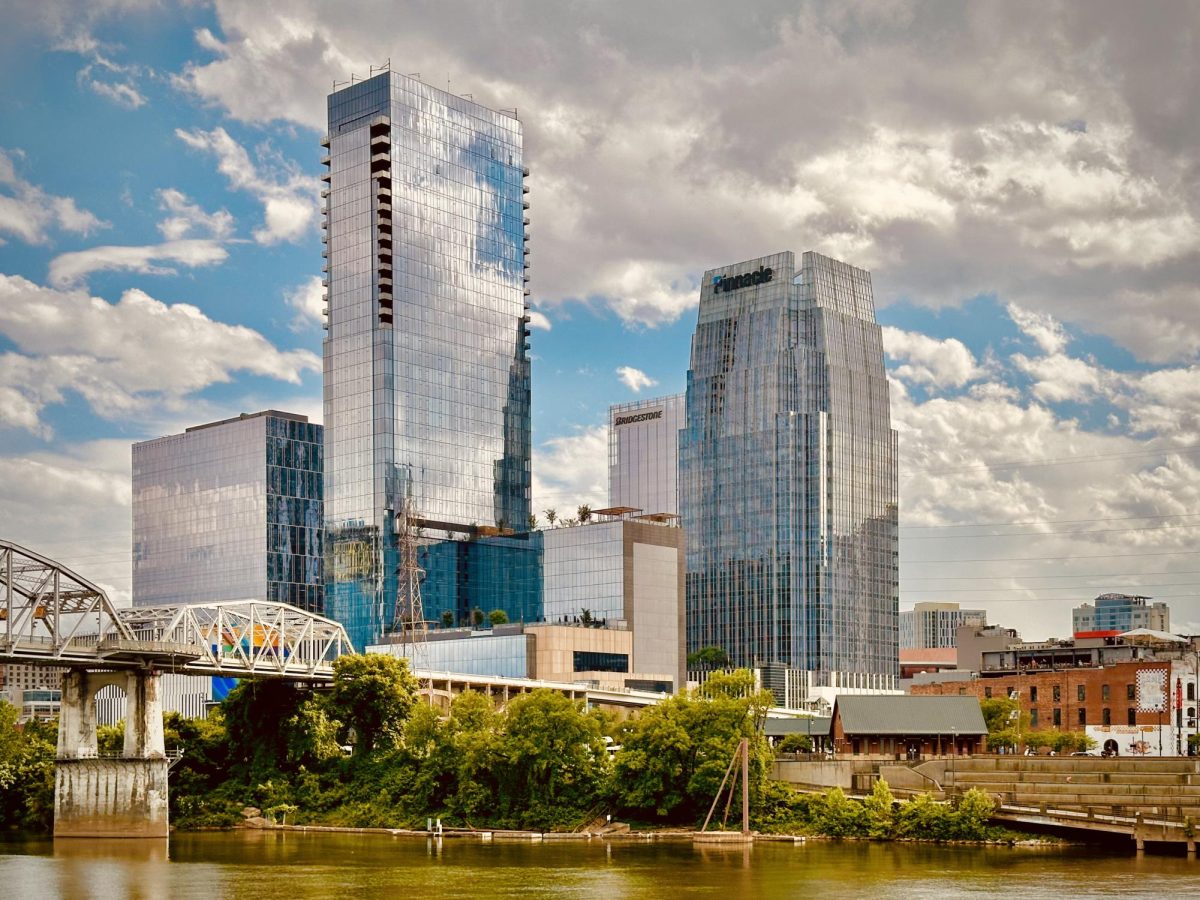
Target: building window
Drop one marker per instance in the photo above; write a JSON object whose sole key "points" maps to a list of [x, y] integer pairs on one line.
{"points": [[1033, 718], [1082, 716], [592, 661], [1191, 693], [1132, 716], [1106, 716], [1129, 692], [987, 692], [1033, 694], [1057, 694], [1104, 692], [1057, 717], [1080, 693]]}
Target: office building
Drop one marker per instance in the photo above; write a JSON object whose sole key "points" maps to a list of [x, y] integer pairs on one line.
{"points": [[230, 510], [787, 473], [1114, 614], [643, 453], [626, 571], [930, 626], [426, 365]]}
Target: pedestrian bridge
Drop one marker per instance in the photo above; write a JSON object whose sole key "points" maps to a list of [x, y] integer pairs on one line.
{"points": [[53, 616]]}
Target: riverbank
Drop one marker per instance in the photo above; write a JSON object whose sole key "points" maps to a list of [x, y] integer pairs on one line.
{"points": [[627, 835]]}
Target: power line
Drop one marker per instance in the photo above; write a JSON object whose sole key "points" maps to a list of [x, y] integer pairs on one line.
{"points": [[964, 537], [1057, 521]]}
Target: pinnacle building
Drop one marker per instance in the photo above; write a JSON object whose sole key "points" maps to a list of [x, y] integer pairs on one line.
{"points": [[426, 364], [787, 474]]}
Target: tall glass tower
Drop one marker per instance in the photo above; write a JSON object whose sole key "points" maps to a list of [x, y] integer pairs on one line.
{"points": [[787, 470], [426, 360]]}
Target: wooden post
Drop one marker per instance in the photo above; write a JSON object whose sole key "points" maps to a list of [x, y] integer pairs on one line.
{"points": [[745, 786]]}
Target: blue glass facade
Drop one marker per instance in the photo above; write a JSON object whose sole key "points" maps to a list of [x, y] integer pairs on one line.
{"points": [[426, 357], [787, 470]]}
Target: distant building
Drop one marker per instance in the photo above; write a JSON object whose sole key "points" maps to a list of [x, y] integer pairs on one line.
{"points": [[914, 661], [230, 510], [1114, 614], [1132, 695], [931, 625], [973, 639], [643, 453]]}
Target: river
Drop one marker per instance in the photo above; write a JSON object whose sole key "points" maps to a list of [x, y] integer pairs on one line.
{"points": [[274, 864]]}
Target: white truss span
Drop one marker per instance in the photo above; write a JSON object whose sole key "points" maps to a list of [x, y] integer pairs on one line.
{"points": [[244, 637], [50, 615]]}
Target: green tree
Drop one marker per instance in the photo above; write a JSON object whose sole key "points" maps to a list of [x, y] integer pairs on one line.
{"points": [[795, 743], [551, 515], [998, 713], [674, 755], [498, 617], [256, 714], [447, 618], [26, 771], [477, 616], [880, 806], [584, 513], [372, 694], [554, 761], [532, 521], [708, 658]]}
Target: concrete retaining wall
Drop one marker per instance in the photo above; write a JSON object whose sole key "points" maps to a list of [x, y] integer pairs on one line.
{"points": [[124, 798], [848, 774]]}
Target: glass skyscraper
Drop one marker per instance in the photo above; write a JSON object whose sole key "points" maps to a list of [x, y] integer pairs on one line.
{"points": [[230, 511], [787, 471], [426, 356]]}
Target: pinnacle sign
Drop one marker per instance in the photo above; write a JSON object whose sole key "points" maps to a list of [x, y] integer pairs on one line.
{"points": [[723, 283]]}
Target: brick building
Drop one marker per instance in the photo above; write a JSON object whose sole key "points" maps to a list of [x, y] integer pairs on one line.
{"points": [[1108, 703]]}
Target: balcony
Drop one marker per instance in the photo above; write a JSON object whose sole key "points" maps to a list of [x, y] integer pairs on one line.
{"points": [[326, 160]]}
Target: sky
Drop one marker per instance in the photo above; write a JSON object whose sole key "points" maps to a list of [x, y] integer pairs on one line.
{"points": [[1021, 178]]}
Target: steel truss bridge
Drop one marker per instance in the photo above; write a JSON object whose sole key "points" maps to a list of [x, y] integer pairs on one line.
{"points": [[49, 615]]}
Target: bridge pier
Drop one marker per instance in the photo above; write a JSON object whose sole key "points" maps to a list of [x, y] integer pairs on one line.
{"points": [[111, 797]]}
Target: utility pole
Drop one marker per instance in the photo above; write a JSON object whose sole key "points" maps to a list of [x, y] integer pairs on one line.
{"points": [[408, 618]]}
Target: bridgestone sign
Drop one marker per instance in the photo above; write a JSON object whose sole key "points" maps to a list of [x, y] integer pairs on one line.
{"points": [[639, 417]]}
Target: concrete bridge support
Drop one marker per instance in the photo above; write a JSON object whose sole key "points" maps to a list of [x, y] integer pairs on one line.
{"points": [[124, 796]]}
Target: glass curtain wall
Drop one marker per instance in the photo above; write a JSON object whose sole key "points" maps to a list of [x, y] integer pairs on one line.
{"points": [[426, 360], [788, 470]]}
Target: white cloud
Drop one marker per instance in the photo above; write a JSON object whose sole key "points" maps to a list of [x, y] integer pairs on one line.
{"points": [[571, 470], [634, 379], [538, 320], [289, 197], [187, 217], [72, 269], [926, 360], [132, 358], [1059, 378], [29, 212], [72, 504], [951, 178], [308, 299], [1042, 327]]}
